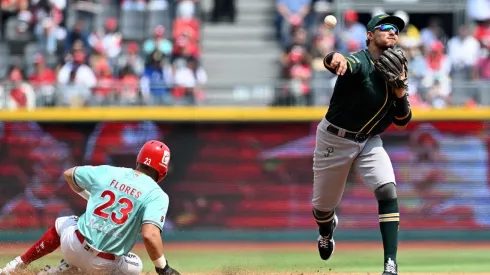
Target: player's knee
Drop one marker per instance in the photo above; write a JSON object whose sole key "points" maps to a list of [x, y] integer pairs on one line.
{"points": [[62, 223], [130, 264], [386, 192]]}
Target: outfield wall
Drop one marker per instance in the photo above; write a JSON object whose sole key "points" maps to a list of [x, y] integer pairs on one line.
{"points": [[245, 174]]}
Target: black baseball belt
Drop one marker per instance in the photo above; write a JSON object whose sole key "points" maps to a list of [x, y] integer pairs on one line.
{"points": [[357, 137]]}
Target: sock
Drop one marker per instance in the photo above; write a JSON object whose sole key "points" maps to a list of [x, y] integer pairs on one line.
{"points": [[48, 243], [389, 221], [324, 223]]}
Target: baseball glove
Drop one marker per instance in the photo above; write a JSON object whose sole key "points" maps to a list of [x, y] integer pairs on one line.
{"points": [[392, 65]]}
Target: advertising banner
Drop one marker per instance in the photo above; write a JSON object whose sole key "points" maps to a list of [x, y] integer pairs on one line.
{"points": [[247, 175]]}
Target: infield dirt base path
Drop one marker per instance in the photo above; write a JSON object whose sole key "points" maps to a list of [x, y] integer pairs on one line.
{"points": [[14, 249]]}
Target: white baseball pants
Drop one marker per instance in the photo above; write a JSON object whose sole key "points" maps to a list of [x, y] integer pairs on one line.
{"points": [[85, 257]]}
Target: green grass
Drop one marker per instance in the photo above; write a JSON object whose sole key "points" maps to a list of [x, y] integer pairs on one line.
{"points": [[469, 260]]}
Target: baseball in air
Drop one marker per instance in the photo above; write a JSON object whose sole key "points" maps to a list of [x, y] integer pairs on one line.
{"points": [[330, 21]]}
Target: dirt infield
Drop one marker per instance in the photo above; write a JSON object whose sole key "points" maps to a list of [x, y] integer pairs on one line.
{"points": [[16, 248]]}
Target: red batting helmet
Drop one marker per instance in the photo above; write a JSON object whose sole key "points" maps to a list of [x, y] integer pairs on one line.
{"points": [[156, 155]]}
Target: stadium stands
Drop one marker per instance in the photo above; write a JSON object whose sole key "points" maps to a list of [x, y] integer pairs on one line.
{"points": [[149, 52], [80, 53]]}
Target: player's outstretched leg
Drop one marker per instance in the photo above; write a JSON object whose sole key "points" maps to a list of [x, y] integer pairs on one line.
{"points": [[389, 220], [327, 222], [48, 243]]}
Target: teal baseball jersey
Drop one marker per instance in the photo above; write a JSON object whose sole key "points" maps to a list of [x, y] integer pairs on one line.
{"points": [[121, 201]]}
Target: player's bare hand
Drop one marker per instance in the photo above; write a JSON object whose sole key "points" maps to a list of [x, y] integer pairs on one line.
{"points": [[339, 63], [401, 92]]}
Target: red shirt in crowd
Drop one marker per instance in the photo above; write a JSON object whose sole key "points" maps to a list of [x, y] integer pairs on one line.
{"points": [[46, 77]]}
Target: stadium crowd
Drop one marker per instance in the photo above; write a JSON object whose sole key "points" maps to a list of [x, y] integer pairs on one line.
{"points": [[57, 54], [438, 62], [147, 52]]}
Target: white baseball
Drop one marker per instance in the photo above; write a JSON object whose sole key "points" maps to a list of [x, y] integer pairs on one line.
{"points": [[330, 21]]}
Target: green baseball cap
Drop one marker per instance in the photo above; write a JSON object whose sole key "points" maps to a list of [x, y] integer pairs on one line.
{"points": [[385, 19]]}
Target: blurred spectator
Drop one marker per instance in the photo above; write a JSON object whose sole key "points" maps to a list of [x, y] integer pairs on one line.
{"points": [[297, 75], [410, 36], [352, 36], [223, 8], [437, 80], [43, 80], [156, 81], [482, 33], [482, 68], [134, 5], [478, 10], [12, 8], [110, 39], [463, 53], [48, 15], [77, 33], [291, 14], [98, 56], [86, 10], [186, 9], [132, 59], [433, 32], [482, 72], [417, 71], [47, 36], [190, 25], [323, 43], [129, 86], [185, 48], [157, 5], [299, 42], [159, 42], [76, 81], [105, 91], [188, 77], [15, 93]]}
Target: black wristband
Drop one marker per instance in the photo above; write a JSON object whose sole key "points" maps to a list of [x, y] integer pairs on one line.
{"points": [[402, 106], [403, 114], [404, 120]]}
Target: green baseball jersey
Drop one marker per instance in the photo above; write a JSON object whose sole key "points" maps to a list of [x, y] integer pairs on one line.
{"points": [[362, 101], [121, 201]]}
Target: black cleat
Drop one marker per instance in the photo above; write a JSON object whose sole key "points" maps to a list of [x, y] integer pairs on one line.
{"points": [[326, 244], [391, 268]]}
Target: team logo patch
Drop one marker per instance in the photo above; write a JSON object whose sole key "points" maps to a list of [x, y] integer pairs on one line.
{"points": [[329, 151], [166, 158]]}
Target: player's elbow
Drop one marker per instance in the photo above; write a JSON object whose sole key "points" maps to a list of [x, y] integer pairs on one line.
{"points": [[68, 174], [150, 233]]}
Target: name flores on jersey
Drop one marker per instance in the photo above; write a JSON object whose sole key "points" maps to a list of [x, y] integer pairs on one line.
{"points": [[133, 192]]}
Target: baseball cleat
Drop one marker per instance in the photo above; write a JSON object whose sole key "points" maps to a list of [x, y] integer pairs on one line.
{"points": [[14, 265], [391, 268], [61, 268], [326, 244]]}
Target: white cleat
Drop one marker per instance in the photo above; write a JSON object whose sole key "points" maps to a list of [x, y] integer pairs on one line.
{"points": [[14, 265]]}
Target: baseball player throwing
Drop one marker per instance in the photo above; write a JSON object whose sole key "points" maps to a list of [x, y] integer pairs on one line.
{"points": [[370, 94], [121, 203]]}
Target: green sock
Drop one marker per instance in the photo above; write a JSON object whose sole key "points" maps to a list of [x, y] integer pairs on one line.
{"points": [[389, 221]]}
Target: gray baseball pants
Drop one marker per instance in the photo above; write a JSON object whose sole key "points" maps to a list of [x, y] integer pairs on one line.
{"points": [[334, 156]]}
